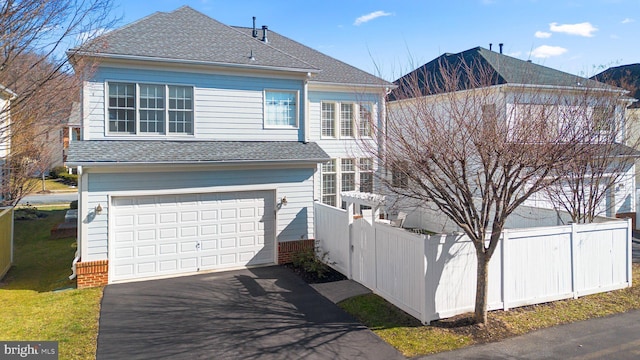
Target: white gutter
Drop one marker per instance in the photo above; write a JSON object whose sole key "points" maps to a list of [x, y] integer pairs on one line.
{"points": [[190, 62], [196, 162], [305, 95]]}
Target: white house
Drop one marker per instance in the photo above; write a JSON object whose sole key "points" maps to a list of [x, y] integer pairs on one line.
{"points": [[6, 96], [204, 146], [514, 91]]}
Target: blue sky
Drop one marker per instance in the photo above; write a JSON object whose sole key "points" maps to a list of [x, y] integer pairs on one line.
{"points": [[391, 38]]}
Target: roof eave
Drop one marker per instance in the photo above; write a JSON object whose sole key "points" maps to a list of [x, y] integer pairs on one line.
{"points": [[72, 53], [198, 162]]}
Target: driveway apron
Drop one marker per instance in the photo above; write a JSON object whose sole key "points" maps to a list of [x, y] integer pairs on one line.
{"points": [[259, 313]]}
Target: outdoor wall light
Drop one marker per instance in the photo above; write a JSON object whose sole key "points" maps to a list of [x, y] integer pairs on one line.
{"points": [[98, 209]]}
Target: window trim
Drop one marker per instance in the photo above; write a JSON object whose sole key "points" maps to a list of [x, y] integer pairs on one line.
{"points": [[265, 125], [137, 132], [338, 172]]}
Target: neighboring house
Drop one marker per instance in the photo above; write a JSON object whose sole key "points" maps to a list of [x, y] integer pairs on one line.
{"points": [[521, 90], [628, 77], [71, 131], [204, 146], [6, 96]]}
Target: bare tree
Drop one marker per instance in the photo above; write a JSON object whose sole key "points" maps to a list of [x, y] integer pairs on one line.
{"points": [[34, 35], [476, 148]]}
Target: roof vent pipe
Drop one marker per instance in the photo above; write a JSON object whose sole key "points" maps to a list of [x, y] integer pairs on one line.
{"points": [[264, 33], [255, 32], [490, 45], [500, 47]]}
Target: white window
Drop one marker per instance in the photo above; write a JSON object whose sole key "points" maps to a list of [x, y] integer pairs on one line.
{"points": [[329, 184], [365, 120], [346, 120], [122, 108], [180, 109], [152, 109], [142, 109], [328, 119], [280, 109], [348, 177], [366, 174]]}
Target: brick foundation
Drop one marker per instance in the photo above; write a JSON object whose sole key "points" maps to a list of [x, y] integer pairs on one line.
{"points": [[288, 248], [631, 216], [92, 273]]}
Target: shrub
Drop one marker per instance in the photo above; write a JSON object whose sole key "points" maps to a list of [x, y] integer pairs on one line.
{"points": [[69, 179], [73, 205], [28, 212], [57, 171], [312, 260]]}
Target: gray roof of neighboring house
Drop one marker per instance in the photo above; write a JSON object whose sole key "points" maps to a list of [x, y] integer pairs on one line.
{"points": [[191, 152], [186, 35], [624, 76], [499, 68]]}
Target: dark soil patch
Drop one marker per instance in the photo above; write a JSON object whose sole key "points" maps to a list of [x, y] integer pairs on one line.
{"points": [[463, 324], [312, 278]]}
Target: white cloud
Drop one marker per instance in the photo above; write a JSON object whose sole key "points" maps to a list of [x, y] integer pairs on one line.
{"points": [[546, 51], [542, 34], [582, 29], [91, 34], [627, 20], [374, 15]]}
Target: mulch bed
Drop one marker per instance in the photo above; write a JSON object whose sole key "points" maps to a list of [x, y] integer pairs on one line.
{"points": [[463, 324], [312, 278]]}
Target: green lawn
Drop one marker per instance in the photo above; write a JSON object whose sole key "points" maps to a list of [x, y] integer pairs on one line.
{"points": [[412, 339], [38, 301], [52, 185]]}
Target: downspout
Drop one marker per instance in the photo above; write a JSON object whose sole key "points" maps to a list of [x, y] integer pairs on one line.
{"points": [[305, 124], [79, 227], [382, 138]]}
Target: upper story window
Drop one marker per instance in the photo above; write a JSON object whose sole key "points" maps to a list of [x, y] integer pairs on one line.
{"points": [[280, 109], [346, 120], [143, 109], [122, 108], [328, 119], [364, 120]]}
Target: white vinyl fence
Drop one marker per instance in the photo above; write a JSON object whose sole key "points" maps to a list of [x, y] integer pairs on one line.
{"points": [[434, 277]]}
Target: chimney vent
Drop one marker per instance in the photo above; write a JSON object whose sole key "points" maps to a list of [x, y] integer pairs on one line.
{"points": [[500, 47], [255, 32], [490, 46], [265, 29]]}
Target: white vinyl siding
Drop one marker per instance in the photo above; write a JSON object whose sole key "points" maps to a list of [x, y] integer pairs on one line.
{"points": [[294, 221], [225, 107]]}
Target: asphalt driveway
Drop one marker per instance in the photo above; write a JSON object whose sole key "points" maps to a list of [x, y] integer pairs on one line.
{"points": [[261, 313]]}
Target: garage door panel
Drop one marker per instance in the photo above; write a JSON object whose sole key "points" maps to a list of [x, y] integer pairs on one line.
{"points": [[166, 235]]}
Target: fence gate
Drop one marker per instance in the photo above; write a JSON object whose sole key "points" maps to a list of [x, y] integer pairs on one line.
{"points": [[363, 253]]}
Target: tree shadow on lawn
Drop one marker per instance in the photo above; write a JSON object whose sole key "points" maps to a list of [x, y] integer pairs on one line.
{"points": [[39, 263]]}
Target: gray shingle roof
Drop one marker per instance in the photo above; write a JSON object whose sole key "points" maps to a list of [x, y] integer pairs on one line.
{"points": [[333, 71], [189, 36], [190, 152], [501, 68]]}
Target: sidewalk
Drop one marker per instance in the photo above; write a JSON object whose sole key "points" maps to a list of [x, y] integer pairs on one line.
{"points": [[613, 337]]}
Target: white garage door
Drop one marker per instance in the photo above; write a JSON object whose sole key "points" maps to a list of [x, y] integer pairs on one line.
{"points": [[174, 234]]}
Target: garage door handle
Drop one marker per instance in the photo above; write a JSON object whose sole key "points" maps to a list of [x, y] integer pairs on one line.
{"points": [[197, 245]]}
